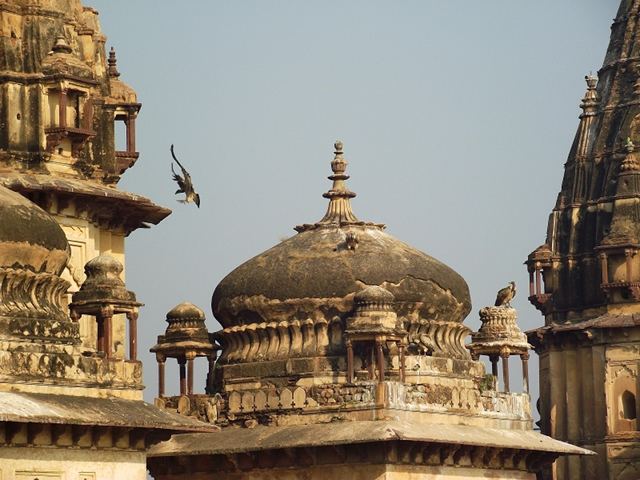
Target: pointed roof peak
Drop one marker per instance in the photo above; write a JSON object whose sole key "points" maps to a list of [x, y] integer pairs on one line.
{"points": [[339, 212], [590, 100], [113, 71]]}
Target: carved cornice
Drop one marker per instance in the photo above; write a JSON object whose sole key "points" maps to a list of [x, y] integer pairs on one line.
{"points": [[438, 338], [26, 294]]}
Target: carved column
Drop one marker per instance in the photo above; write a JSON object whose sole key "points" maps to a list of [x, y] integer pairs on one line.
{"points": [[380, 354], [401, 347], [183, 375], [350, 374], [628, 253], [133, 334], [494, 370], [62, 106], [605, 268], [525, 371], [505, 370], [160, 359], [106, 316], [190, 356]]}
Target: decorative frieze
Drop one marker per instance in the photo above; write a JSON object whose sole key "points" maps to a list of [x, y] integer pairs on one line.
{"points": [[31, 307]]}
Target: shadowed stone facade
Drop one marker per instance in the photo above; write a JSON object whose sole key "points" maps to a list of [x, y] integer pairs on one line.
{"points": [[70, 383], [586, 278]]}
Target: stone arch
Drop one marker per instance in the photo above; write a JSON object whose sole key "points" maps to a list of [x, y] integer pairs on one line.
{"points": [[628, 405]]}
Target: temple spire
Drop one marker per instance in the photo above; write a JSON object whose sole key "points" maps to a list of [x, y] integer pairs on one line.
{"points": [[588, 106], [339, 212], [113, 71], [339, 196]]}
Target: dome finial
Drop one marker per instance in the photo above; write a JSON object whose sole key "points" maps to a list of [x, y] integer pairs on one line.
{"points": [[590, 100], [61, 45], [113, 71], [339, 212]]}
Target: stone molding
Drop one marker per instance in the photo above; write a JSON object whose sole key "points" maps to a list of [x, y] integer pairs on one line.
{"points": [[438, 338], [26, 294], [279, 340]]}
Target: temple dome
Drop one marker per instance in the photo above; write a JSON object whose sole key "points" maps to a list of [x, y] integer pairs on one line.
{"points": [[29, 237], [316, 273]]}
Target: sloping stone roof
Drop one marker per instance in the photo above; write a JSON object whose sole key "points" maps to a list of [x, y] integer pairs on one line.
{"points": [[235, 440]]}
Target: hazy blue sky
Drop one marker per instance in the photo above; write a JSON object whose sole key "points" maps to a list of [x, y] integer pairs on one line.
{"points": [[456, 117]]}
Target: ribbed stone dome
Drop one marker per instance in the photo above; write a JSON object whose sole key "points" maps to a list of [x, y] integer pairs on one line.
{"points": [[316, 273], [29, 237]]}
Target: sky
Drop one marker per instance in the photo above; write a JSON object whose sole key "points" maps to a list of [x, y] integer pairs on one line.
{"points": [[456, 118]]}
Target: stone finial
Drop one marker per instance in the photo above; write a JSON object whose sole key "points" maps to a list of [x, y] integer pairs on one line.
{"points": [[630, 163], [590, 100], [499, 325], [339, 212], [61, 46], [374, 310], [103, 281], [186, 324], [113, 71], [185, 316]]}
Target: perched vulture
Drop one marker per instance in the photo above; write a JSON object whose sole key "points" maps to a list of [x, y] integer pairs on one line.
{"points": [[505, 295], [184, 183]]}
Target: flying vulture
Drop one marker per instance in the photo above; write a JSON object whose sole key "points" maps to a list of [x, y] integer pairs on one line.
{"points": [[184, 183], [505, 295]]}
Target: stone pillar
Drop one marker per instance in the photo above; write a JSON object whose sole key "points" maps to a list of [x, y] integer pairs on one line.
{"points": [[133, 334], [160, 359], [401, 347], [380, 355], [505, 370], [494, 370], [525, 372], [371, 363], [62, 106], [628, 254], [605, 268], [190, 356], [183, 375], [350, 372], [106, 314]]}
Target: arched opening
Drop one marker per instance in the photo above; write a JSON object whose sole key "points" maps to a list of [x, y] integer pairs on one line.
{"points": [[628, 405]]}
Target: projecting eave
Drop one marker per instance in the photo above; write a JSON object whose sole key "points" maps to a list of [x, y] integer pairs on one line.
{"points": [[238, 440], [108, 204], [43, 408]]}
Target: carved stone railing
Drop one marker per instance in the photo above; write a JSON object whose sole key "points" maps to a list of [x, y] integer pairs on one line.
{"points": [[56, 366], [439, 339], [31, 307], [277, 340], [268, 341]]}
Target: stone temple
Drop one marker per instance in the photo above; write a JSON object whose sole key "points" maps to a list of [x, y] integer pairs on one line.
{"points": [[343, 356], [586, 278], [343, 352]]}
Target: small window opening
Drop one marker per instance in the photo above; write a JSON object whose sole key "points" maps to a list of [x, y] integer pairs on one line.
{"points": [[121, 135], [60, 150], [628, 405]]}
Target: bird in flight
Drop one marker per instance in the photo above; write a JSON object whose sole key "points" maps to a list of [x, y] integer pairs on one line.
{"points": [[184, 183], [505, 295]]}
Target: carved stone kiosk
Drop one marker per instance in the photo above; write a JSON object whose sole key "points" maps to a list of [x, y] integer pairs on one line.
{"points": [[499, 337]]}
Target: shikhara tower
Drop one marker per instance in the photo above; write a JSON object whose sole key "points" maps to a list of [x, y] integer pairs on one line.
{"points": [[586, 278]]}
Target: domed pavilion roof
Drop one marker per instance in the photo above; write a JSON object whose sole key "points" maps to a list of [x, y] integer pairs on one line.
{"points": [[29, 237], [316, 273]]}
